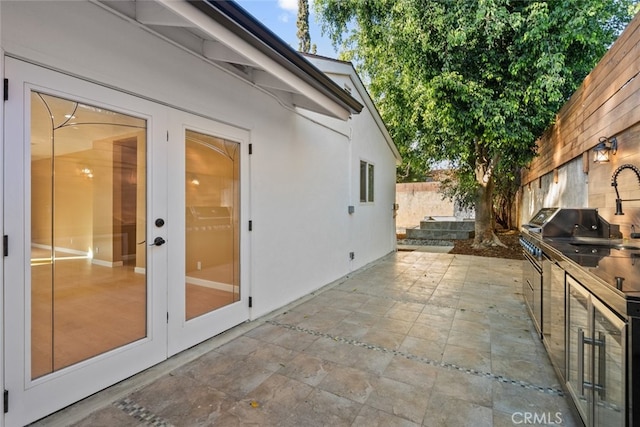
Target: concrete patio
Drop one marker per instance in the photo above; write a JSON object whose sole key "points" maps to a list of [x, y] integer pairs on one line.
{"points": [[415, 339]]}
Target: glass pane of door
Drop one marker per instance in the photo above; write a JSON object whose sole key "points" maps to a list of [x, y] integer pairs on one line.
{"points": [[88, 232], [609, 387], [212, 199]]}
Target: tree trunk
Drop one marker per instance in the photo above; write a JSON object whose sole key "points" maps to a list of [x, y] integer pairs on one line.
{"points": [[484, 206]]}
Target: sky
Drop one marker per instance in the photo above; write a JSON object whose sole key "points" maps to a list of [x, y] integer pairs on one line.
{"points": [[280, 17]]}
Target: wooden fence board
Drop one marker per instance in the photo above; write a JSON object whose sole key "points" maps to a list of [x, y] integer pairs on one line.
{"points": [[606, 104]]}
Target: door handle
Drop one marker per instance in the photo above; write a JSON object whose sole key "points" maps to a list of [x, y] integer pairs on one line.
{"points": [[580, 351], [602, 365], [158, 241]]}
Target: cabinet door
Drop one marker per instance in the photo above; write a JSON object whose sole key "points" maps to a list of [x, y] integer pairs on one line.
{"points": [[553, 304], [579, 354], [609, 367]]}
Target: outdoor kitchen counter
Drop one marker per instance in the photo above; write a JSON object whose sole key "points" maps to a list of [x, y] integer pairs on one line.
{"points": [[610, 274]]}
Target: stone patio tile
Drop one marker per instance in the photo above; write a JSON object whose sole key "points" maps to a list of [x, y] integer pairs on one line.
{"points": [[439, 310], [428, 282], [446, 411], [435, 321], [236, 381], [417, 373], [520, 369], [477, 305], [386, 339], [209, 366], [467, 358], [306, 368], [181, 400], [371, 360], [510, 399], [376, 306], [321, 408], [399, 398], [291, 317], [241, 346], [444, 292], [271, 356], [345, 300], [394, 325], [499, 322], [280, 395], [479, 318], [109, 416], [347, 382], [444, 302], [417, 297], [430, 350], [265, 332], [291, 339], [463, 386], [429, 333], [399, 312], [348, 328], [332, 350], [362, 319], [372, 417], [324, 320], [369, 352], [480, 342], [246, 413], [470, 327]]}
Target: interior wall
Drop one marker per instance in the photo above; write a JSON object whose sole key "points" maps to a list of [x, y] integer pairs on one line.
{"points": [[73, 214]]}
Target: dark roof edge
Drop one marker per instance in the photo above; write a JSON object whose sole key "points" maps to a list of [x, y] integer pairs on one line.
{"points": [[235, 18]]}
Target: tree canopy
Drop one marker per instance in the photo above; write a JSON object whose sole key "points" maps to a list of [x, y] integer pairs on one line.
{"points": [[474, 82]]}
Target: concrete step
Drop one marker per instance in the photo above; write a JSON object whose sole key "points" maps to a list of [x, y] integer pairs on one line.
{"points": [[448, 225], [417, 233]]}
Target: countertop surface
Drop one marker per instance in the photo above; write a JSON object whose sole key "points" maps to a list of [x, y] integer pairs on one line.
{"points": [[614, 261]]}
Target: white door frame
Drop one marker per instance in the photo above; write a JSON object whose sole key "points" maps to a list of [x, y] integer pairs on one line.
{"points": [[32, 399], [184, 334]]}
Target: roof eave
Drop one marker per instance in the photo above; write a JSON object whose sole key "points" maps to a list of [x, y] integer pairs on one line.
{"points": [[238, 21]]}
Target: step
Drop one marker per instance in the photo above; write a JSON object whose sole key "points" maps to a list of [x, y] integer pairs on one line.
{"points": [[448, 225], [417, 233]]}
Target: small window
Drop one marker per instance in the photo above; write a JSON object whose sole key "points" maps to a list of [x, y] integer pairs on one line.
{"points": [[370, 183], [366, 182]]}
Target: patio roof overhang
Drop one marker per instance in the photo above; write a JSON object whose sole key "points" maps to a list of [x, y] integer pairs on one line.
{"points": [[224, 34]]}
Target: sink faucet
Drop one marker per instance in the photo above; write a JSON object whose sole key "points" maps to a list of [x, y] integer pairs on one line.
{"points": [[614, 184]]}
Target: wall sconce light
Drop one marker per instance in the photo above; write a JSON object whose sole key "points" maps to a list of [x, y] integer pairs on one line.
{"points": [[195, 181], [87, 173], [604, 147]]}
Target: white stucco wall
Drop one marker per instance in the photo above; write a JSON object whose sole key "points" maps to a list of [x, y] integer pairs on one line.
{"points": [[304, 175], [372, 225]]}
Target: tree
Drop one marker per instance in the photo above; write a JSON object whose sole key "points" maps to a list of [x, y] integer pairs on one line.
{"points": [[304, 39], [474, 82]]}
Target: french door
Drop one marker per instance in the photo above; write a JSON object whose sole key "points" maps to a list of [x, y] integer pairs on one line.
{"points": [[124, 240]]}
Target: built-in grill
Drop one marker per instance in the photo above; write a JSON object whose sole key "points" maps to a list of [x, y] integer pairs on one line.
{"points": [[570, 223], [564, 224], [579, 268]]}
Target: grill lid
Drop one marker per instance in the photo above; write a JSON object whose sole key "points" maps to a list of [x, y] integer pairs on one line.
{"points": [[571, 222]]}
